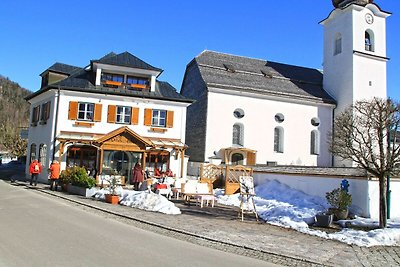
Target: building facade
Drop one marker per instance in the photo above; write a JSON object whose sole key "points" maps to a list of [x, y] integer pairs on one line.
{"points": [[250, 111], [107, 117]]}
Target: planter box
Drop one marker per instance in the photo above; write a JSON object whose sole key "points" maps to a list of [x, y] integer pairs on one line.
{"points": [[86, 192], [113, 199]]}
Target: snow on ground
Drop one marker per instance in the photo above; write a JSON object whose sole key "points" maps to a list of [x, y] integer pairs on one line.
{"points": [[281, 205], [142, 200]]}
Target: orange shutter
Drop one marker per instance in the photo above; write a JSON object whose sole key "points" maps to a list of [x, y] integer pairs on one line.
{"points": [[148, 113], [111, 113], [135, 116], [73, 110], [97, 112], [251, 158], [170, 119]]}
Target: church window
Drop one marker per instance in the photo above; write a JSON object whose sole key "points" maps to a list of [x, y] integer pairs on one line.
{"points": [[315, 122], [278, 139], [369, 41], [338, 44], [279, 117], [314, 142], [238, 113], [237, 134]]}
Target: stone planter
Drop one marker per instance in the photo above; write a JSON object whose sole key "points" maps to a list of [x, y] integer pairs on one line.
{"points": [[86, 192], [339, 214], [323, 220], [113, 199]]}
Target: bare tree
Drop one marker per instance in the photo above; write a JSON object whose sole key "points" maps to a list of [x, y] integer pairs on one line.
{"points": [[366, 133]]}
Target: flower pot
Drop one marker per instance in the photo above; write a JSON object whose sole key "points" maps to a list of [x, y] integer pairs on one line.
{"points": [[113, 199], [323, 220], [339, 214]]}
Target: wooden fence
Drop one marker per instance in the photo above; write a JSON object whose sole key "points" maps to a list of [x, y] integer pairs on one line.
{"points": [[226, 176]]}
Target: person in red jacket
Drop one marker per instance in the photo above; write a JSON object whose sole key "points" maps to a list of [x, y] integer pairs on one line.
{"points": [[34, 169], [54, 174]]}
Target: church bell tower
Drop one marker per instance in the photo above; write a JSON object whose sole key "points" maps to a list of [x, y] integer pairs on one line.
{"points": [[354, 55], [355, 52]]}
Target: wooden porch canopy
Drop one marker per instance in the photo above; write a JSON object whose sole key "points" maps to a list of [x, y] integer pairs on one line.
{"points": [[123, 139], [251, 154]]}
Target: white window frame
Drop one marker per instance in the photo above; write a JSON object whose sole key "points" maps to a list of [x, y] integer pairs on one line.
{"points": [[314, 142], [338, 44], [159, 118], [123, 115], [85, 110], [42, 154], [237, 136]]}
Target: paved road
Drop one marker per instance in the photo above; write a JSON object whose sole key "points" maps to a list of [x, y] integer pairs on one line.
{"points": [[40, 230]]}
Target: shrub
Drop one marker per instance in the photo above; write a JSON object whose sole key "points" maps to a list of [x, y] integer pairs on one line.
{"points": [[339, 198], [77, 176]]}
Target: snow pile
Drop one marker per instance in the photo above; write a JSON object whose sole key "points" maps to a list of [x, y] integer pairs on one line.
{"points": [[281, 205], [143, 200]]}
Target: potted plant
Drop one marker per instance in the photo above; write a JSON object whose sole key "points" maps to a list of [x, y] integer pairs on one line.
{"points": [[340, 200], [112, 197], [80, 182], [65, 179]]}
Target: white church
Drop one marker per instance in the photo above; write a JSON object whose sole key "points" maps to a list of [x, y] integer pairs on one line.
{"points": [[277, 117], [251, 111]]}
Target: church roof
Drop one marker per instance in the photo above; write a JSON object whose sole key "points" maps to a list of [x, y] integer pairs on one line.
{"points": [[251, 75]]}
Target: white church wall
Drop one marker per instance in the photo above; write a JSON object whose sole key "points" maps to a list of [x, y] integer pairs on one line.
{"points": [[318, 186], [259, 123], [373, 192]]}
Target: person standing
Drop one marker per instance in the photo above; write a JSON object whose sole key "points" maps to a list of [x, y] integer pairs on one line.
{"points": [[54, 174], [34, 169], [137, 176]]}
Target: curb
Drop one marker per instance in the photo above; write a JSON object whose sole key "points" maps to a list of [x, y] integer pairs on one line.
{"points": [[48, 192]]}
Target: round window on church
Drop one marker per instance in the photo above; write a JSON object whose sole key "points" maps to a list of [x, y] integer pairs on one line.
{"points": [[279, 117], [315, 122], [238, 113]]}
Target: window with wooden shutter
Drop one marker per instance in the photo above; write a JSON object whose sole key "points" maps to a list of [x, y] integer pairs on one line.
{"points": [[148, 113], [73, 110], [111, 114], [170, 119], [97, 112], [135, 116], [251, 158]]}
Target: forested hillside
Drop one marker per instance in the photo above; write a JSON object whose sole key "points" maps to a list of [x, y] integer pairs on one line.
{"points": [[14, 115]]}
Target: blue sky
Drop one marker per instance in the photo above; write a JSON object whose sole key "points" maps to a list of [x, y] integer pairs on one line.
{"points": [[169, 34]]}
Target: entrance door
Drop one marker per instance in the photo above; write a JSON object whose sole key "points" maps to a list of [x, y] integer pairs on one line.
{"points": [[237, 159], [120, 163]]}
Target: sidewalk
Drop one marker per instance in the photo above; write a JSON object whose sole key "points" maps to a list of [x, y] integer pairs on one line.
{"points": [[220, 227]]}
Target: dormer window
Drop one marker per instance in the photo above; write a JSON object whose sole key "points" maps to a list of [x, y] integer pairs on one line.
{"points": [[110, 79], [137, 82]]}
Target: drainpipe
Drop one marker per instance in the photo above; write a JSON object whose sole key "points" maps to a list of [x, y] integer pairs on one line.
{"points": [[55, 123]]}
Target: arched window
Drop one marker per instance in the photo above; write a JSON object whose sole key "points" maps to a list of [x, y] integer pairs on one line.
{"points": [[42, 154], [278, 139], [338, 44], [369, 40], [314, 142], [237, 159], [237, 134], [33, 152]]}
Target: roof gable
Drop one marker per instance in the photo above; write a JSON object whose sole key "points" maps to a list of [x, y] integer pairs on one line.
{"points": [[125, 59]]}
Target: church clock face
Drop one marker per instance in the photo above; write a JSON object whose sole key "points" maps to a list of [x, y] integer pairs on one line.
{"points": [[369, 18]]}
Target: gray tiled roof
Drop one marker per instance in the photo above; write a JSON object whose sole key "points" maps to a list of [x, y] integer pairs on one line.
{"points": [[82, 80], [126, 59], [62, 68], [260, 76]]}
